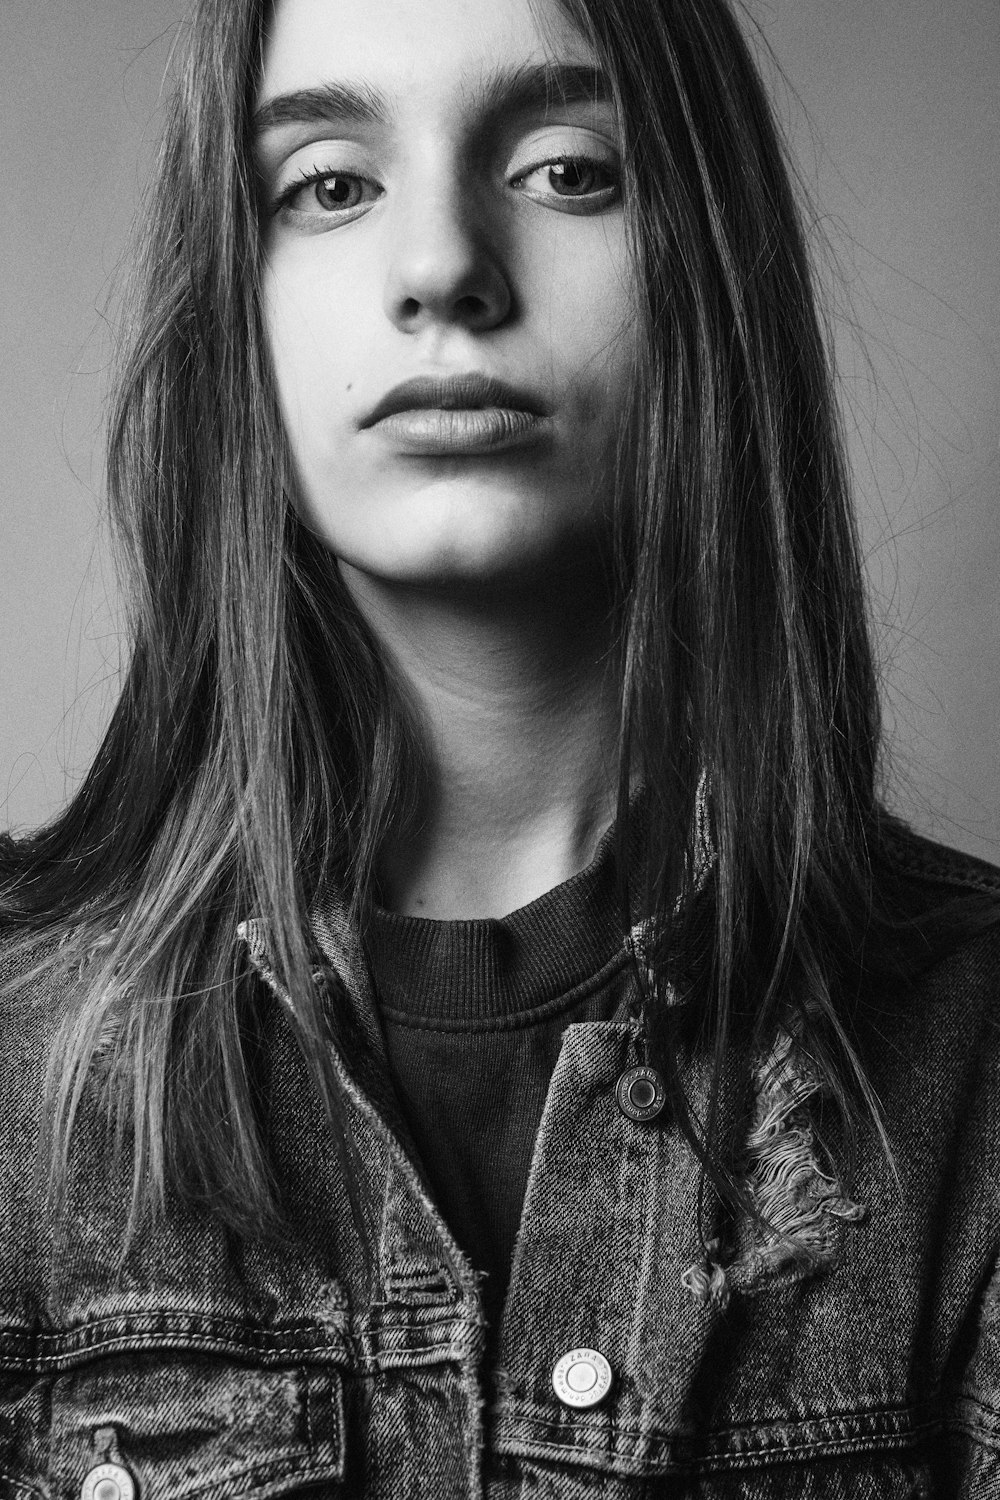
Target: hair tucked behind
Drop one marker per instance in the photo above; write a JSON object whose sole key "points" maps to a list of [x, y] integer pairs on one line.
{"points": [[259, 745]]}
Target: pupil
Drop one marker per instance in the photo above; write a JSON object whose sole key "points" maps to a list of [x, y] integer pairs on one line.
{"points": [[572, 176], [333, 192]]}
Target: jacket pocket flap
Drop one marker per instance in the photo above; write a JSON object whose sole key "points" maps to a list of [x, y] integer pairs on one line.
{"points": [[184, 1425]]}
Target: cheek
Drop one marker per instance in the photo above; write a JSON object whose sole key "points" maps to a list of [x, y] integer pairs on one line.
{"points": [[584, 291], [294, 342], [314, 338]]}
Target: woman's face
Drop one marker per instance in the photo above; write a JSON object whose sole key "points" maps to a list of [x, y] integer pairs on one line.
{"points": [[442, 215]]}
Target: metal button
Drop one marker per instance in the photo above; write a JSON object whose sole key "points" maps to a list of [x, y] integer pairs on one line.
{"points": [[581, 1378], [108, 1482], [640, 1094]]}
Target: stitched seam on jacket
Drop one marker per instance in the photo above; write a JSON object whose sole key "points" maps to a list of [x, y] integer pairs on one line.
{"points": [[69, 1359], [21, 1487], [169, 1325], [930, 861], [898, 1426], [723, 1459], [334, 1357]]}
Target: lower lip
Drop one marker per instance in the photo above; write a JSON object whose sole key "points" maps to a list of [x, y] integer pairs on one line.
{"points": [[436, 432]]}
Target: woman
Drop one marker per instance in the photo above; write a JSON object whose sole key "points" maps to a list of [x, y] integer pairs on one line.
{"points": [[484, 1035]]}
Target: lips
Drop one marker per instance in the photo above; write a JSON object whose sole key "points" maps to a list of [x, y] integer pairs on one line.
{"points": [[469, 392], [457, 416]]}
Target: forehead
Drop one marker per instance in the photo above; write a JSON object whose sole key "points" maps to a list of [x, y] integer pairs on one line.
{"points": [[412, 47]]}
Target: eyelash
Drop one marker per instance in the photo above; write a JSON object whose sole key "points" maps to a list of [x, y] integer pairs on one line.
{"points": [[571, 159], [317, 175], [310, 179]]}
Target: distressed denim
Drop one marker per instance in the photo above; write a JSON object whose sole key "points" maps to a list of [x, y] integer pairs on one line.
{"points": [[204, 1366]]}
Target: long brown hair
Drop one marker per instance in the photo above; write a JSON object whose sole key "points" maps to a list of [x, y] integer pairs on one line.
{"points": [[259, 746]]}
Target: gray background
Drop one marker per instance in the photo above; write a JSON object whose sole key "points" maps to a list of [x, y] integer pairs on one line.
{"points": [[893, 108]]}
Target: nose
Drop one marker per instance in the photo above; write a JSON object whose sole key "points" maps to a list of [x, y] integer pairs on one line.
{"points": [[445, 266]]}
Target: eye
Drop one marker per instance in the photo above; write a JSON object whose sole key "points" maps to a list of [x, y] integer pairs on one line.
{"points": [[582, 179], [321, 194]]}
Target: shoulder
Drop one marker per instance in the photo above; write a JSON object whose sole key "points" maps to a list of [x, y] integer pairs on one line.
{"points": [[934, 997], [931, 1043], [935, 908], [35, 982], [930, 867], [36, 987], [933, 975]]}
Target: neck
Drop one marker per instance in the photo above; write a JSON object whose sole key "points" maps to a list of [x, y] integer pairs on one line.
{"points": [[517, 702]]}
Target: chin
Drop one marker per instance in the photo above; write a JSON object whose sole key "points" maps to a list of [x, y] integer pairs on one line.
{"points": [[467, 545], [486, 538], [472, 567]]}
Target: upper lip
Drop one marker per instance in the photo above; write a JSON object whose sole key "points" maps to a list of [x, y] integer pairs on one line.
{"points": [[452, 393]]}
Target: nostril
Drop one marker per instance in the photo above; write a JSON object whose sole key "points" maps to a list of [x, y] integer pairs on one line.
{"points": [[477, 297], [470, 308]]}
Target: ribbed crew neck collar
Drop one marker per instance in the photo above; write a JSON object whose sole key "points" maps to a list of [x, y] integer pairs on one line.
{"points": [[500, 971]]}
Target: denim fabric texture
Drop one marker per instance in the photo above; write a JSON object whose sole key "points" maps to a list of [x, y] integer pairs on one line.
{"points": [[205, 1367]]}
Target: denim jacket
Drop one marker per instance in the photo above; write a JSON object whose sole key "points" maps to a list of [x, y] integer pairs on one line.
{"points": [[628, 1367]]}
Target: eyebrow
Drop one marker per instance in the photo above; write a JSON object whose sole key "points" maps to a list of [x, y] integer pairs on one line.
{"points": [[521, 90]]}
